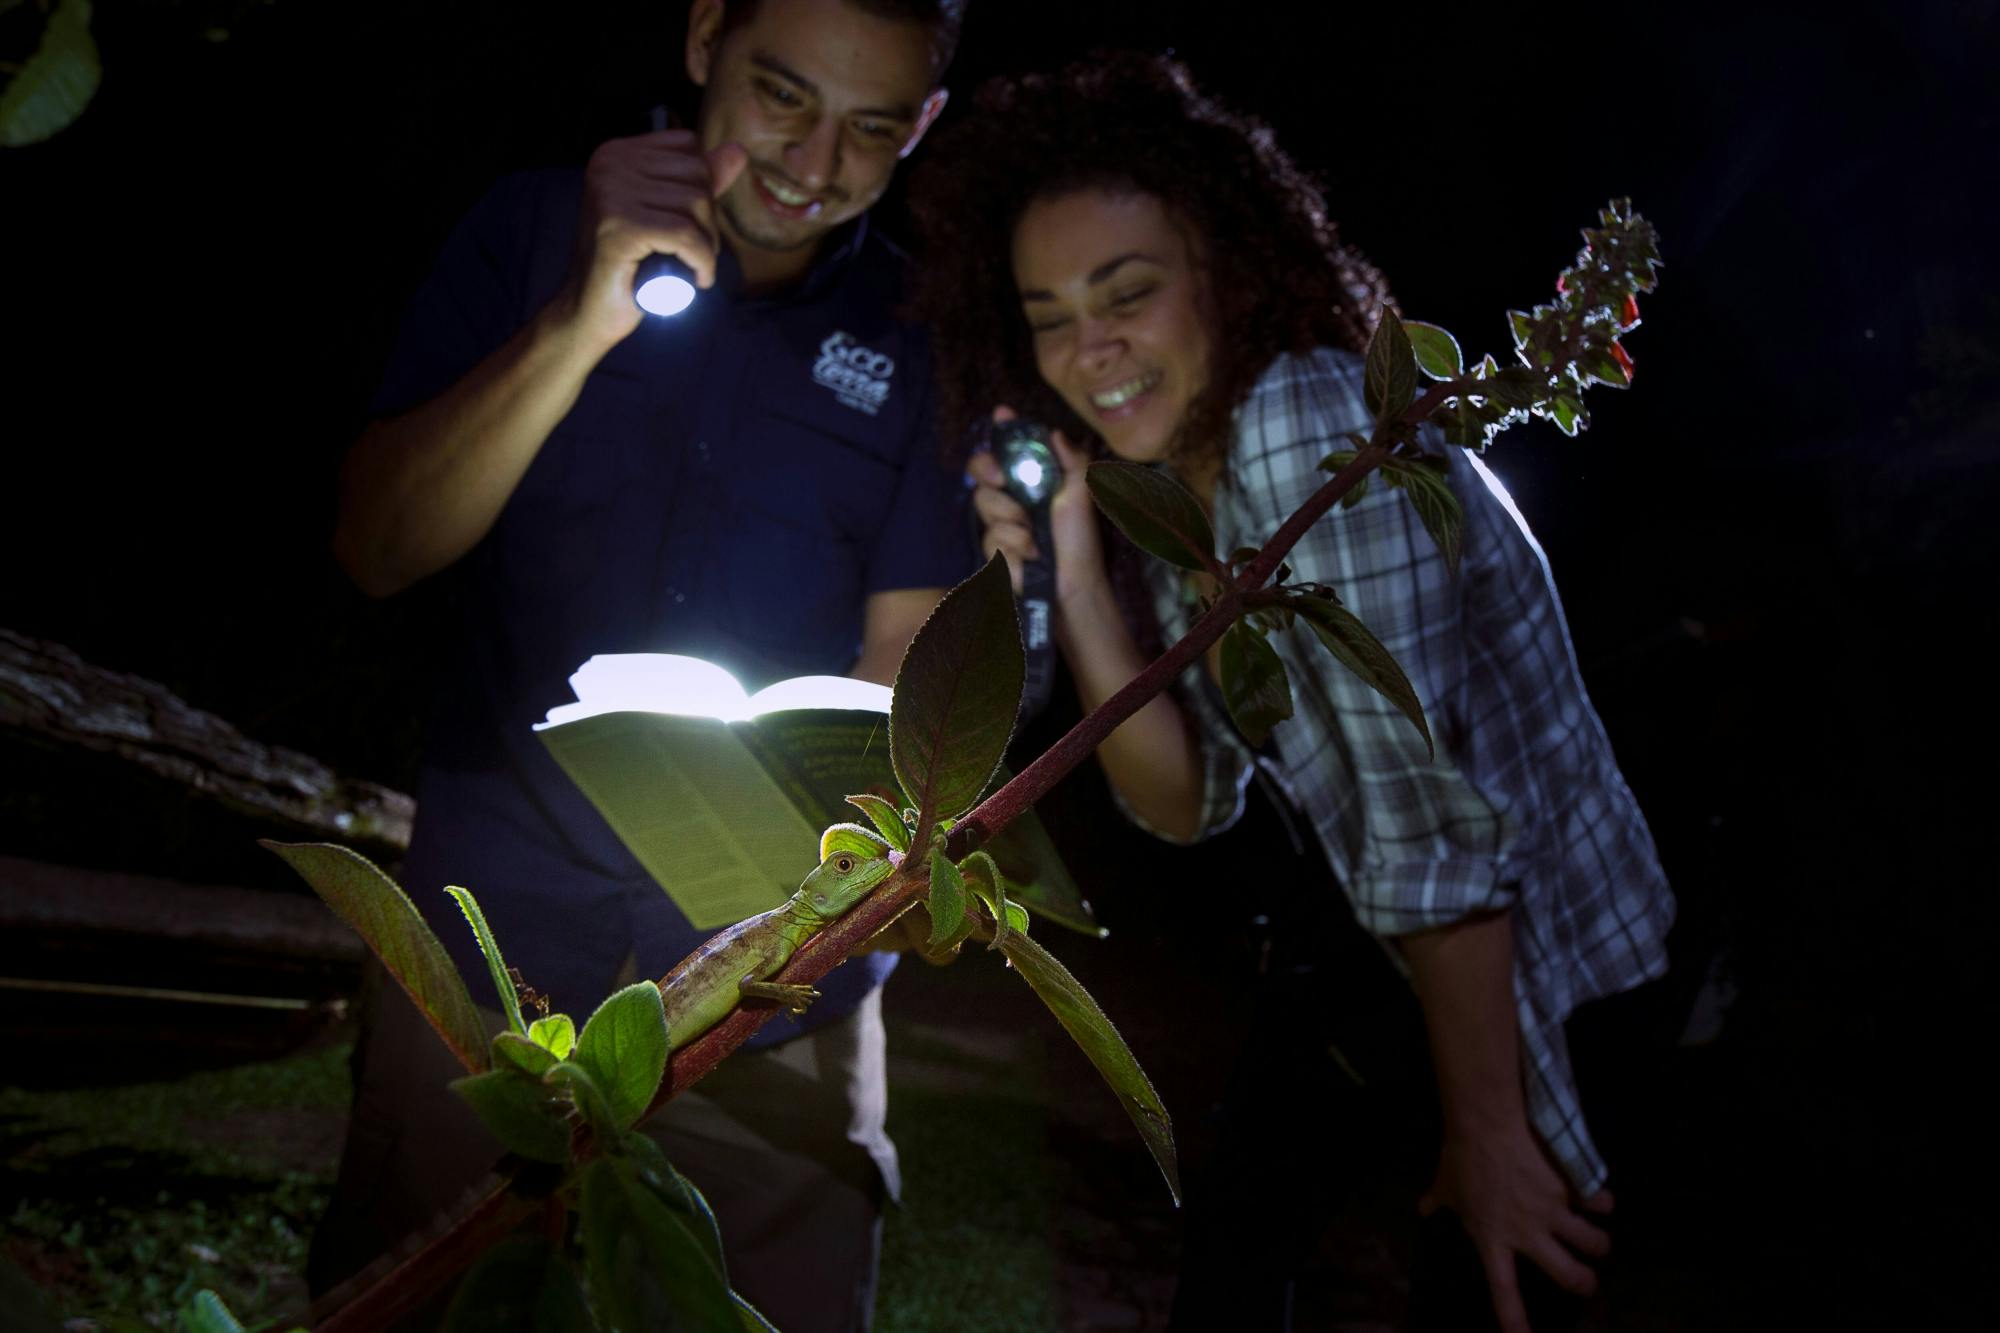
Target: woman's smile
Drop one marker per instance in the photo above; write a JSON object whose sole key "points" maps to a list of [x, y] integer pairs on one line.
{"points": [[1116, 305]]}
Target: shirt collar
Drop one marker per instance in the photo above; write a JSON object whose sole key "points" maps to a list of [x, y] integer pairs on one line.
{"points": [[837, 254]]}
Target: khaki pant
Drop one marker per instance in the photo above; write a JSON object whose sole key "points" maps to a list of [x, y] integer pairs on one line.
{"points": [[787, 1143]]}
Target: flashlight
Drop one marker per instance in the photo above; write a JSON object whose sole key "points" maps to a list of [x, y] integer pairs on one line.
{"points": [[1033, 477], [663, 285]]}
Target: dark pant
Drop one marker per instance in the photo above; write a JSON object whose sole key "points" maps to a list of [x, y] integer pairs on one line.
{"points": [[1302, 1145]]}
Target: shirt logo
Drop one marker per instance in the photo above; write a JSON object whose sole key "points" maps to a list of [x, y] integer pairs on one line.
{"points": [[858, 377]]}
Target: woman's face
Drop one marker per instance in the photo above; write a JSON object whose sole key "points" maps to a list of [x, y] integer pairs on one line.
{"points": [[1118, 311]]}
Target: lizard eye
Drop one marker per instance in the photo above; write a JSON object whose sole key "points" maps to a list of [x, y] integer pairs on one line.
{"points": [[843, 863]]}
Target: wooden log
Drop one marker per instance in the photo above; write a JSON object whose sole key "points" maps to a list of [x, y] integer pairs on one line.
{"points": [[52, 699]]}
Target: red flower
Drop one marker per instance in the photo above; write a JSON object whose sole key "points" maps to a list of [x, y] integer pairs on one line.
{"points": [[1624, 358]]}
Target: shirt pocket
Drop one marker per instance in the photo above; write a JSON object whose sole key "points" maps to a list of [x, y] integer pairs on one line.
{"points": [[801, 509], [591, 502]]}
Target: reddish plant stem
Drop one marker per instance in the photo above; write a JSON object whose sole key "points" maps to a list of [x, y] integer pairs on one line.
{"points": [[824, 951], [412, 1282], [499, 1213]]}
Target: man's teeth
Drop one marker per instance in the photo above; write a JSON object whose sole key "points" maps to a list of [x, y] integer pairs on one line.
{"points": [[789, 198], [1122, 394]]}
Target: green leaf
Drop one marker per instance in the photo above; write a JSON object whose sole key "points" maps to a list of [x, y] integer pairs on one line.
{"points": [[675, 1190], [957, 695], [1516, 386], [511, 1049], [1337, 460], [1603, 367], [1436, 503], [522, 1285], [521, 1111], [1567, 413], [1160, 515], [650, 1267], [946, 900], [1093, 1032], [1254, 684], [882, 814], [1389, 380], [1355, 495], [510, 1000], [205, 1313], [51, 90], [382, 914], [624, 1046], [1362, 653], [984, 877], [1436, 350], [555, 1034], [588, 1096]]}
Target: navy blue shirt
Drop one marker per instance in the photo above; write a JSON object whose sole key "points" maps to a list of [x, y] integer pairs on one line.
{"points": [[732, 483]]}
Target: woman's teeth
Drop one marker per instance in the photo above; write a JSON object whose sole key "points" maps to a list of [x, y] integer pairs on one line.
{"points": [[1121, 394]]}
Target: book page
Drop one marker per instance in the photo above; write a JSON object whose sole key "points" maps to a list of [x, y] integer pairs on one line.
{"points": [[821, 756], [697, 811], [820, 692], [652, 683]]}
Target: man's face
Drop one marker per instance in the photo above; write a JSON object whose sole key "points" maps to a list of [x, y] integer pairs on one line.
{"points": [[825, 98]]}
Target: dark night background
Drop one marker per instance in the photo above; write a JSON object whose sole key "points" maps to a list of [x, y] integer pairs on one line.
{"points": [[1776, 549]]}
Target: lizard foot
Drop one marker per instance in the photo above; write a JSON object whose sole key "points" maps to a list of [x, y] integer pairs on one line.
{"points": [[794, 998]]}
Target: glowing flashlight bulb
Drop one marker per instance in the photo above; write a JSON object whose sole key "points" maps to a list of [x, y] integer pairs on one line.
{"points": [[1028, 471], [665, 286]]}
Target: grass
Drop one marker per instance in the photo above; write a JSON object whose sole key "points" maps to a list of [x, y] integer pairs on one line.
{"points": [[969, 1250], [126, 1200], [121, 1202]]}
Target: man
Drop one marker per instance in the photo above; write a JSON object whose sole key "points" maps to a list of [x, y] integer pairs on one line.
{"points": [[753, 482]]}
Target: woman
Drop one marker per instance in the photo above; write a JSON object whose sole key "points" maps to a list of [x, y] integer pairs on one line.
{"points": [[1110, 251]]}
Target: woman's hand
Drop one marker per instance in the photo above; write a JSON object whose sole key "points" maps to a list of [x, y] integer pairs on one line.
{"points": [[1078, 557], [1513, 1202], [1493, 1171]]}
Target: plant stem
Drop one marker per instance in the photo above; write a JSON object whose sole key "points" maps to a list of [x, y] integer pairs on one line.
{"points": [[412, 1282], [825, 950], [400, 1291]]}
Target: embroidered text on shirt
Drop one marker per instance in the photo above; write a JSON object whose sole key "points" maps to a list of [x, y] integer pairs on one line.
{"points": [[858, 377]]}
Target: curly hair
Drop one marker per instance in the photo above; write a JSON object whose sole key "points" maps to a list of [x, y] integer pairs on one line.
{"points": [[1282, 280]]}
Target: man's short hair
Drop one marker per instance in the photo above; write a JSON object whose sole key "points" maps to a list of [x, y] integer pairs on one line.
{"points": [[943, 17]]}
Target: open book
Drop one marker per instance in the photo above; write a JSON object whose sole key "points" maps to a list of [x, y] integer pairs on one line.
{"points": [[721, 795]]}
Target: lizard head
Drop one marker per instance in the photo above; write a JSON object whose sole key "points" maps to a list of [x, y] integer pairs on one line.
{"points": [[853, 860]]}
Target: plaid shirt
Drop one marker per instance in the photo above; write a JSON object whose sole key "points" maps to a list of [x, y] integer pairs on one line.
{"points": [[1523, 808]]}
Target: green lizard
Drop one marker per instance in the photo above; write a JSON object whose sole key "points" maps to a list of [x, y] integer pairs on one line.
{"points": [[708, 983]]}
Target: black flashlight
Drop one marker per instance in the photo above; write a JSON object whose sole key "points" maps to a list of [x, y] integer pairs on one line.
{"points": [[1033, 476], [663, 285]]}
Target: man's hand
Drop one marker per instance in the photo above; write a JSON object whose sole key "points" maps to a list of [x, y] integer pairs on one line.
{"points": [[1512, 1201], [650, 194]]}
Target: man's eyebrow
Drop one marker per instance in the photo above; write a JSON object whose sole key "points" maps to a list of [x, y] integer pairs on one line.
{"points": [[1097, 275], [770, 64]]}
